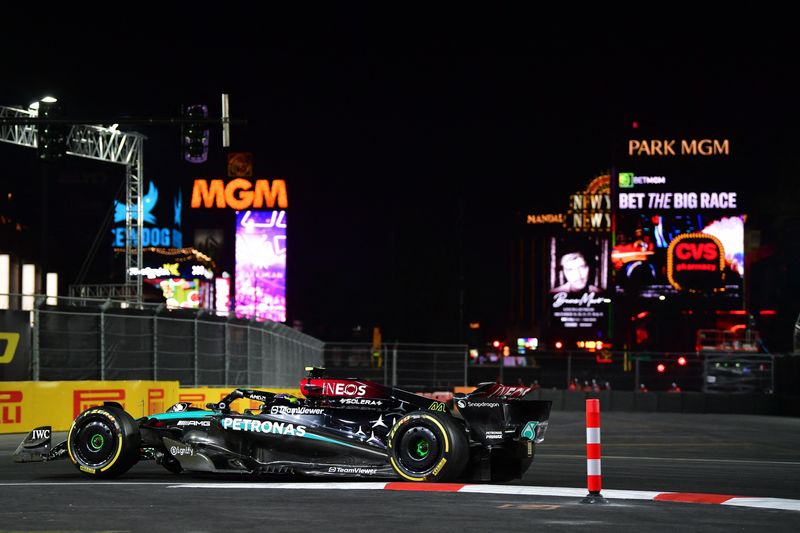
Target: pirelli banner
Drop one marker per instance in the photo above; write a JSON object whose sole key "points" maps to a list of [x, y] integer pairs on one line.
{"points": [[25, 405]]}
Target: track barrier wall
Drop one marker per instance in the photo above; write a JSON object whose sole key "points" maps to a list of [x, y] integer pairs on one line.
{"points": [[25, 405]]}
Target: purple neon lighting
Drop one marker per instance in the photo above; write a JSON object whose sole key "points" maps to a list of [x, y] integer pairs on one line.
{"points": [[261, 265]]}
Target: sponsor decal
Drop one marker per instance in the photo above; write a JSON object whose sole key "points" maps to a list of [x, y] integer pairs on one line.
{"points": [[352, 470], [84, 399], [12, 340], [462, 404], [529, 431], [58, 453], [514, 392], [360, 401], [40, 434], [87, 469], [483, 404], [265, 426], [202, 423], [104, 413], [10, 414], [343, 389], [177, 451], [257, 397], [284, 410], [494, 435], [439, 466], [437, 406]]}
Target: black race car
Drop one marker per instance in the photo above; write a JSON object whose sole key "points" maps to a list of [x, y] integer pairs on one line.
{"points": [[342, 428]]}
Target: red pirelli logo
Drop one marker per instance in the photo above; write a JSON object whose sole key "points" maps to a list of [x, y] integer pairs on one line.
{"points": [[10, 414], [196, 399], [155, 401], [84, 399]]}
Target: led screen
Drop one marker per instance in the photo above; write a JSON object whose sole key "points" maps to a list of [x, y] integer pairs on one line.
{"points": [[261, 265], [579, 281], [643, 266]]}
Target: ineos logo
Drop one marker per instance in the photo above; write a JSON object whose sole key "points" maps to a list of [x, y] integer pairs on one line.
{"points": [[343, 389]]}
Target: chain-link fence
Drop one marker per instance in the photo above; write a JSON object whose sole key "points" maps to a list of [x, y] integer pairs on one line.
{"points": [[110, 340]]}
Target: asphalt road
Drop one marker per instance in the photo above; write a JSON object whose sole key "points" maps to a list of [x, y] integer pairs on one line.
{"points": [[716, 454]]}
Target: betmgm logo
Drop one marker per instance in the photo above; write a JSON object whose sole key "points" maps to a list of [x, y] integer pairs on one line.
{"points": [[12, 340], [626, 180]]}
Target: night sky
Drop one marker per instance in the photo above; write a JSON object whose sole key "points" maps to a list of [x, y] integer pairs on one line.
{"points": [[412, 140]]}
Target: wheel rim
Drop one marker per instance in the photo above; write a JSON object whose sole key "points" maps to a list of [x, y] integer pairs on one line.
{"points": [[418, 449], [95, 444]]}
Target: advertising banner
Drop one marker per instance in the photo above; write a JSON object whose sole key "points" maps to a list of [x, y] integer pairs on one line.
{"points": [[672, 238], [261, 265], [579, 281], [25, 405], [15, 345]]}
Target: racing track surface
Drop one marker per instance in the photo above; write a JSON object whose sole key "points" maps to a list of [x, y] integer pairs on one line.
{"points": [[717, 454]]}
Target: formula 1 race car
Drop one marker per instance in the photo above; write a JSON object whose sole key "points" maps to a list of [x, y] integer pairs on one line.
{"points": [[342, 428]]}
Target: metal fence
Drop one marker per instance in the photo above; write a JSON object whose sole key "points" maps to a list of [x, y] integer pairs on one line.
{"points": [[442, 367], [111, 340], [428, 367]]}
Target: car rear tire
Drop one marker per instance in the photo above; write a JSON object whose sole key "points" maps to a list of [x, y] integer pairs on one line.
{"points": [[104, 442], [428, 446]]}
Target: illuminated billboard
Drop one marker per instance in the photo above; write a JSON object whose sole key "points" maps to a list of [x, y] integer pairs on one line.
{"points": [[579, 282], [672, 240], [660, 255], [261, 265]]}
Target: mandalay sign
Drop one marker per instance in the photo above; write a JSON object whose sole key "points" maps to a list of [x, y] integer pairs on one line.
{"points": [[239, 194]]}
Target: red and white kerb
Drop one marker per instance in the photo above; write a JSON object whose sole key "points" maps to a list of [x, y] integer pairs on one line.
{"points": [[593, 476]]}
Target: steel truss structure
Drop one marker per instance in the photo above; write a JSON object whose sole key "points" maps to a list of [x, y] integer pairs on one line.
{"points": [[102, 144]]}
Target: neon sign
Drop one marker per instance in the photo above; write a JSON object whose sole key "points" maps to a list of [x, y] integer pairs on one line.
{"points": [[151, 236], [239, 194], [696, 261], [671, 147]]}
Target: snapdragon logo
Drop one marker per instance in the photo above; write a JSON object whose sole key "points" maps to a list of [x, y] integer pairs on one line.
{"points": [[266, 426]]}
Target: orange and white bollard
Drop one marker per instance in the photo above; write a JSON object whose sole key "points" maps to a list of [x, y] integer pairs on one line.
{"points": [[593, 472]]}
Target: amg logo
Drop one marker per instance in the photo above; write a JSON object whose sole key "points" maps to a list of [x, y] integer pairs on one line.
{"points": [[203, 423]]}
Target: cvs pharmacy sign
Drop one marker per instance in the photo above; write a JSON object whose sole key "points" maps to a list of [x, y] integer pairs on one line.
{"points": [[696, 262]]}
